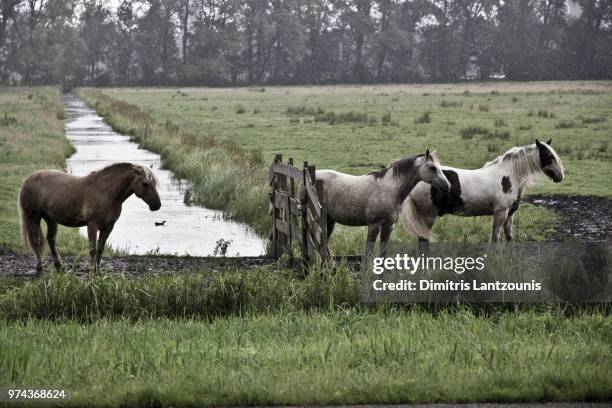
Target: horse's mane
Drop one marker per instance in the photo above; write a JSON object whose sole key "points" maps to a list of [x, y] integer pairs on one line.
{"points": [[523, 160], [401, 167], [125, 166]]}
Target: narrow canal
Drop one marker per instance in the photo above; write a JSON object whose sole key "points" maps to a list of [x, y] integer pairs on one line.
{"points": [[187, 230]]}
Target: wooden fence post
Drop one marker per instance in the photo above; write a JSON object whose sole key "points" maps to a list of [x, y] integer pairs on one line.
{"points": [[312, 175], [287, 206], [275, 244], [282, 213], [323, 250], [147, 131], [304, 208], [289, 216]]}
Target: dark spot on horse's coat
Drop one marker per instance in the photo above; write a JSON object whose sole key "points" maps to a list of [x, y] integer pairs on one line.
{"points": [[401, 167], [506, 185], [451, 202]]}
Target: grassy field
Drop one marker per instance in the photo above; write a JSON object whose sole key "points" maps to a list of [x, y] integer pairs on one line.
{"points": [[357, 129], [31, 138], [262, 337], [268, 338], [340, 357]]}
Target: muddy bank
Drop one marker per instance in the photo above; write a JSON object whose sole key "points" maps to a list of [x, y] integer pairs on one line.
{"points": [[24, 265], [584, 218]]}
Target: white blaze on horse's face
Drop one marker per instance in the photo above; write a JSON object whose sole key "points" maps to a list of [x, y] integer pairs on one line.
{"points": [[431, 173], [550, 162]]}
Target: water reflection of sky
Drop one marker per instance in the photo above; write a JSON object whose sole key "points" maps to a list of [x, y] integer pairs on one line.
{"points": [[189, 230]]}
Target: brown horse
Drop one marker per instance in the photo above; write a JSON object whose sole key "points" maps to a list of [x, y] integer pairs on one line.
{"points": [[93, 201]]}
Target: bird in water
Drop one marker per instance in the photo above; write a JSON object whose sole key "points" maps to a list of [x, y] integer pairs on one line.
{"points": [[160, 224]]}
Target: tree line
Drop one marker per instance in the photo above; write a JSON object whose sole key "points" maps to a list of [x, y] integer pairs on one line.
{"points": [[247, 42]]}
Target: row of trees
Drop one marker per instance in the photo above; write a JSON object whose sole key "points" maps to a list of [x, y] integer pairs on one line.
{"points": [[231, 42]]}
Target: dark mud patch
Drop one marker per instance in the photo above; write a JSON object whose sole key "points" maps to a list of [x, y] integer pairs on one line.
{"points": [[24, 265], [584, 218]]}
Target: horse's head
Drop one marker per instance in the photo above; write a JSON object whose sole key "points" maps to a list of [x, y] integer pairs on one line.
{"points": [[550, 163], [431, 173], [145, 187]]}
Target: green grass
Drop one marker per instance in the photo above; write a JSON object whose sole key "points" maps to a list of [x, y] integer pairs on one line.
{"points": [[330, 357], [31, 138], [266, 337], [359, 148], [357, 129], [206, 294]]}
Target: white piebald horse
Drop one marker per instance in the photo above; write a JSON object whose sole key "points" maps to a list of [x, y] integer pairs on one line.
{"points": [[495, 189], [376, 199]]}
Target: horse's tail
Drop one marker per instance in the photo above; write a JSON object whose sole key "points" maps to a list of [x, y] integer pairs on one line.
{"points": [[31, 233], [414, 221]]}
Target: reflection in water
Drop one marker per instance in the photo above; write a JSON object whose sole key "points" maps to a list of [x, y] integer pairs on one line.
{"points": [[188, 229]]}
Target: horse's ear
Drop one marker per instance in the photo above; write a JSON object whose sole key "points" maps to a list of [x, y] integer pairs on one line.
{"points": [[538, 143], [549, 142], [427, 155]]}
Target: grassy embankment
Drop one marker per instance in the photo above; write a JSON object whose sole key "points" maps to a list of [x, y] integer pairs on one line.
{"points": [[358, 129], [31, 138], [267, 338]]}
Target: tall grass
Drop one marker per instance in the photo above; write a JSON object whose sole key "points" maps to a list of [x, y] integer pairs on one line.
{"points": [[224, 175], [331, 358], [471, 131], [333, 118], [207, 294], [424, 118], [304, 110]]}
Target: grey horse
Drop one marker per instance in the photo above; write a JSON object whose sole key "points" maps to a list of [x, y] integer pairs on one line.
{"points": [[376, 199]]}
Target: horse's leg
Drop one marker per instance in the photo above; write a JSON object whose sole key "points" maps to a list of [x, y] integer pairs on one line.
{"points": [[508, 227], [34, 235], [423, 246], [498, 219], [428, 222], [330, 226], [330, 229], [385, 233], [104, 233], [92, 234], [51, 234], [373, 230]]}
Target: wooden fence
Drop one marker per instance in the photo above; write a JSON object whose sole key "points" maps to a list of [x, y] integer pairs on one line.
{"points": [[301, 219]]}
